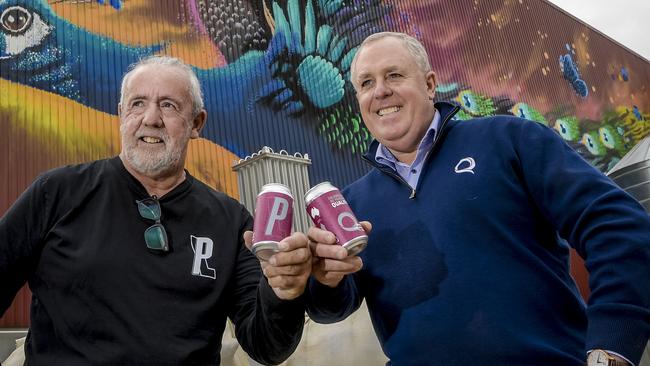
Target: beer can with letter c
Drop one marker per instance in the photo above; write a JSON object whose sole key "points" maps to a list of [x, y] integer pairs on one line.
{"points": [[329, 211]]}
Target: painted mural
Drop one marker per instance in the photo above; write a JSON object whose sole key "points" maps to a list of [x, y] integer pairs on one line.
{"points": [[275, 73]]}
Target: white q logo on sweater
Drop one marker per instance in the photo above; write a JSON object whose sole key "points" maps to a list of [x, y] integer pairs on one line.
{"points": [[465, 165]]}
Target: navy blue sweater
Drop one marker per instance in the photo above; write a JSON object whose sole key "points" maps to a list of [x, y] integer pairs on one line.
{"points": [[474, 269]]}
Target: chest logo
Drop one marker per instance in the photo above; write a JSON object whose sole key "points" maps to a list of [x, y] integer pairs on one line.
{"points": [[465, 165], [202, 248]]}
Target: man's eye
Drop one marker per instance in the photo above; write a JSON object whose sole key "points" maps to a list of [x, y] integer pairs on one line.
{"points": [[168, 105], [366, 83], [394, 76], [137, 103]]}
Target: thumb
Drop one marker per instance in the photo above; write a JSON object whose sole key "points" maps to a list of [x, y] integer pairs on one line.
{"points": [[367, 226]]}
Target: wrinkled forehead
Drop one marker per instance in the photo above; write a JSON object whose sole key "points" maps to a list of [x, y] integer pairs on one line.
{"points": [[162, 80], [385, 54]]}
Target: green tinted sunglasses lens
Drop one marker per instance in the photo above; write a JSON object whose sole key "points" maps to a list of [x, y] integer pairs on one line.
{"points": [[149, 209], [156, 238]]}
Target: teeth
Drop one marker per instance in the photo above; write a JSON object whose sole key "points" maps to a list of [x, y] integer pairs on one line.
{"points": [[151, 140], [385, 111]]}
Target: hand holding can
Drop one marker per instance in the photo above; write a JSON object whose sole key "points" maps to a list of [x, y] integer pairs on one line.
{"points": [[330, 211], [273, 219]]}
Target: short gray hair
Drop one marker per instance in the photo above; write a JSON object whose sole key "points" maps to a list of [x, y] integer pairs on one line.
{"points": [[412, 45], [194, 84]]}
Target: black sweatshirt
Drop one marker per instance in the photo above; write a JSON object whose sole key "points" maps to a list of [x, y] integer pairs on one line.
{"points": [[101, 297]]}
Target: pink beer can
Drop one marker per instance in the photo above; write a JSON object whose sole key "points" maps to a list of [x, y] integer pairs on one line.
{"points": [[330, 211], [273, 219]]}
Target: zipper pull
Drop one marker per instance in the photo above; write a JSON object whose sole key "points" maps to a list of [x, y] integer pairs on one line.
{"points": [[412, 196]]}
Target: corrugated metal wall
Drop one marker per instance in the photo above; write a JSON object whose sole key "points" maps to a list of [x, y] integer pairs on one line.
{"points": [[275, 73]]}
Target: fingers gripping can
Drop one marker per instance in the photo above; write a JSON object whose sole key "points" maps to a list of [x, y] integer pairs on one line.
{"points": [[330, 211], [273, 219]]}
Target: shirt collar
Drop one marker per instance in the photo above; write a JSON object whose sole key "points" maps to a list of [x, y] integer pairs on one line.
{"points": [[384, 156]]}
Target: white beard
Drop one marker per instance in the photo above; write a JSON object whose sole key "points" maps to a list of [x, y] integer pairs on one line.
{"points": [[156, 163], [153, 164]]}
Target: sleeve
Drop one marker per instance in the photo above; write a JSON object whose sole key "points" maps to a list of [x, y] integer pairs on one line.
{"points": [[267, 327], [21, 233], [606, 226], [329, 305]]}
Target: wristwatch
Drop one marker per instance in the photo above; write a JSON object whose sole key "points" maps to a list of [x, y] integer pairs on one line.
{"points": [[598, 357]]}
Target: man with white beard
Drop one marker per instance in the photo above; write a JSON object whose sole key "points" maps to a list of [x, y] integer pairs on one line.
{"points": [[131, 260]]}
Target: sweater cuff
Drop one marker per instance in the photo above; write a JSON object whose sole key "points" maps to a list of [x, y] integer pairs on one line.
{"points": [[623, 329], [329, 305], [320, 293], [277, 307]]}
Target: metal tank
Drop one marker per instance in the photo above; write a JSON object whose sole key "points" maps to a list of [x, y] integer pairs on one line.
{"points": [[267, 166]]}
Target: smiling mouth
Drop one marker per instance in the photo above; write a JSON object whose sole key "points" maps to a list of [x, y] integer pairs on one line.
{"points": [[150, 140], [384, 111]]}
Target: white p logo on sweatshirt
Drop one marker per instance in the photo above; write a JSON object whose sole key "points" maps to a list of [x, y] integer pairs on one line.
{"points": [[202, 248]]}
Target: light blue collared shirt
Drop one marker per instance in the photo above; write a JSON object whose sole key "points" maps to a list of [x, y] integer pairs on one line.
{"points": [[410, 173]]}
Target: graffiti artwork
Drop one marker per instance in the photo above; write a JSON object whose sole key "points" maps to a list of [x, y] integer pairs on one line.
{"points": [[276, 73]]}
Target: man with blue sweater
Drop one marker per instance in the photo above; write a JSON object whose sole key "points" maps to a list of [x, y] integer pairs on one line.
{"points": [[467, 262]]}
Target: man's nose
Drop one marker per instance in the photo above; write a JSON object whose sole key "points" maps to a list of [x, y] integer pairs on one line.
{"points": [[152, 116], [382, 90]]}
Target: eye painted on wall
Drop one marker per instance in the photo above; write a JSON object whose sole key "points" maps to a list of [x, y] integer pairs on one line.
{"points": [[16, 20], [20, 29]]}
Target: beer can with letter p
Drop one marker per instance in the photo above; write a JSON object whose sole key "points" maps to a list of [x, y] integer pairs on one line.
{"points": [[330, 211], [273, 219]]}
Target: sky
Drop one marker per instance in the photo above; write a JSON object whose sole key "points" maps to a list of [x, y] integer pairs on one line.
{"points": [[626, 21]]}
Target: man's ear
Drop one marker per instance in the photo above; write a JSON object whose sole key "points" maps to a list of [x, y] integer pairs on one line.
{"points": [[198, 123], [430, 78], [119, 110]]}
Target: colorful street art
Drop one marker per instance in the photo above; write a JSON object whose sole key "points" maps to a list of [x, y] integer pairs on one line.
{"points": [[275, 73]]}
